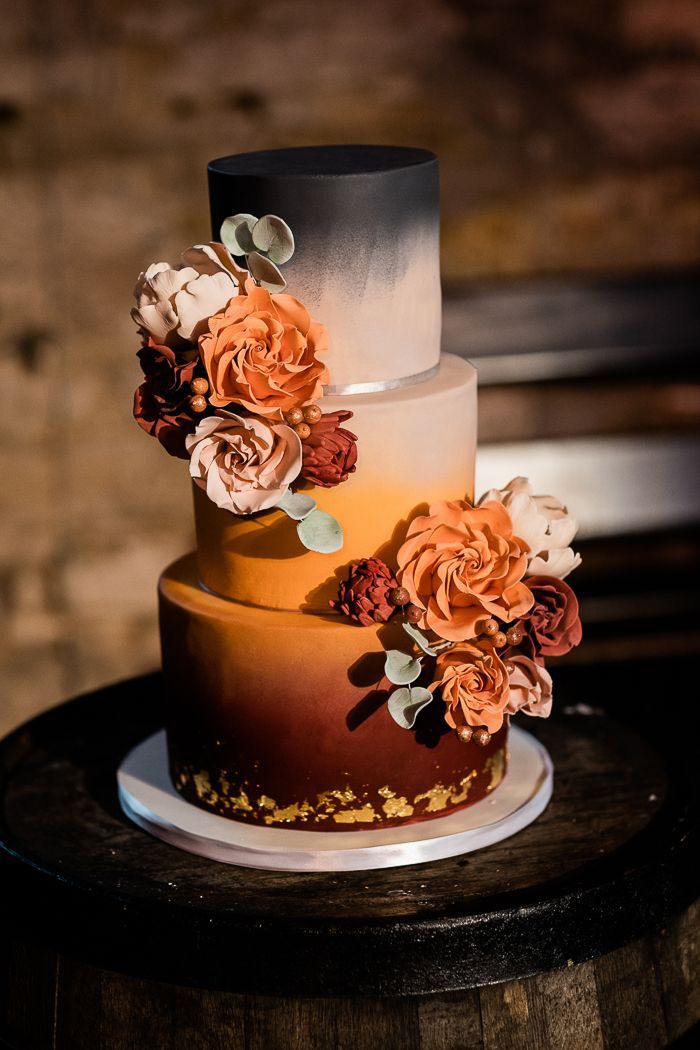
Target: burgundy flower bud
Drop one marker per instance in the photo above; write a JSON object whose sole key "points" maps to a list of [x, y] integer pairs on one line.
{"points": [[552, 626], [330, 451], [162, 402], [364, 596]]}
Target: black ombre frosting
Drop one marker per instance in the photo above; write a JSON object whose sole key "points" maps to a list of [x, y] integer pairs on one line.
{"points": [[326, 192], [366, 226]]}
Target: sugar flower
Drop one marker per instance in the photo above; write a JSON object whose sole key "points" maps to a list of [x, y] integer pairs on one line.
{"points": [[473, 683], [330, 451], [552, 626], [530, 687], [543, 523], [162, 402], [260, 352], [364, 595], [174, 303], [244, 463], [462, 565]]}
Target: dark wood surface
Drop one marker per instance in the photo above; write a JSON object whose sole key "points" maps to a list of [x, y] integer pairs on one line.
{"points": [[607, 863], [640, 997]]}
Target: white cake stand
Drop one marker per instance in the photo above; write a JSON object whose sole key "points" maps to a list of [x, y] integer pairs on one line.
{"points": [[149, 799]]}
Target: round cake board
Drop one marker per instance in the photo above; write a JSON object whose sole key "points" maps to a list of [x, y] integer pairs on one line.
{"points": [[148, 797]]}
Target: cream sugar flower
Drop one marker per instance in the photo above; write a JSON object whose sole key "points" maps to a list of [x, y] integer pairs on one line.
{"points": [[543, 523], [174, 303]]}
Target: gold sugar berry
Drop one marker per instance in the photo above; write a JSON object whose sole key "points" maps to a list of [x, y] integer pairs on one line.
{"points": [[399, 596], [312, 414], [294, 417]]}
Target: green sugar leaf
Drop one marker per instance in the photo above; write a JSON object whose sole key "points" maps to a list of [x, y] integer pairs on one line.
{"points": [[265, 272], [400, 668], [320, 532], [236, 233], [406, 704], [272, 236], [296, 504], [420, 639]]}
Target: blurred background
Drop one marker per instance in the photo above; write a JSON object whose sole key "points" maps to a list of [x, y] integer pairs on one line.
{"points": [[569, 140]]}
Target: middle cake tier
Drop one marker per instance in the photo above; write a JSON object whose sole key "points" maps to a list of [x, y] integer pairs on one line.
{"points": [[416, 445]]}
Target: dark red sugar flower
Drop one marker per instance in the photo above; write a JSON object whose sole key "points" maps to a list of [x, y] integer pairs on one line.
{"points": [[552, 626], [364, 595], [330, 451], [162, 402]]}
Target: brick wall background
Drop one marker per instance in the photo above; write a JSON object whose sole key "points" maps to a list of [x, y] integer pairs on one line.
{"points": [[568, 136]]}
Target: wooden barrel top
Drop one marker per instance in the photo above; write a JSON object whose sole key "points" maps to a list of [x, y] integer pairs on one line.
{"points": [[607, 863]]}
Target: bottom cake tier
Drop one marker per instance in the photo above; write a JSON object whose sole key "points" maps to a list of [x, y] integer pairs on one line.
{"points": [[280, 718]]}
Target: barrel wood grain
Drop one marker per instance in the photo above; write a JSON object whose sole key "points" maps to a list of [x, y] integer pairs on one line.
{"points": [[640, 997], [677, 961]]}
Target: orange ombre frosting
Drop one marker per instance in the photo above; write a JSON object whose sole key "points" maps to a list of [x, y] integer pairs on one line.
{"points": [[416, 445]]}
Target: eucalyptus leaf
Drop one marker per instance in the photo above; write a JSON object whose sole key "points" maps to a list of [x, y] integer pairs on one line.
{"points": [[236, 233], [400, 668], [296, 504], [420, 639], [265, 272], [406, 704], [272, 236], [319, 531]]}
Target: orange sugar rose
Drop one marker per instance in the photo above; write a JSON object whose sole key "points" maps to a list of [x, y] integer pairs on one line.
{"points": [[461, 565], [260, 353], [473, 681]]}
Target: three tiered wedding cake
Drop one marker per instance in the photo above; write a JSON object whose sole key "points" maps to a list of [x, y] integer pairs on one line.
{"points": [[346, 646]]}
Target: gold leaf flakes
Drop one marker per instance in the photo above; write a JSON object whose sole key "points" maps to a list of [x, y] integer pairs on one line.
{"points": [[364, 815], [495, 765], [439, 797], [202, 784]]}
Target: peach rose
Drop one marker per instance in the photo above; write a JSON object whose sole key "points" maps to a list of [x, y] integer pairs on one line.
{"points": [[474, 685], [530, 687], [174, 303], [244, 464], [462, 564], [260, 352]]}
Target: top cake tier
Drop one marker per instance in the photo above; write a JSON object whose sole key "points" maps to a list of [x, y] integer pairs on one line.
{"points": [[366, 265]]}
